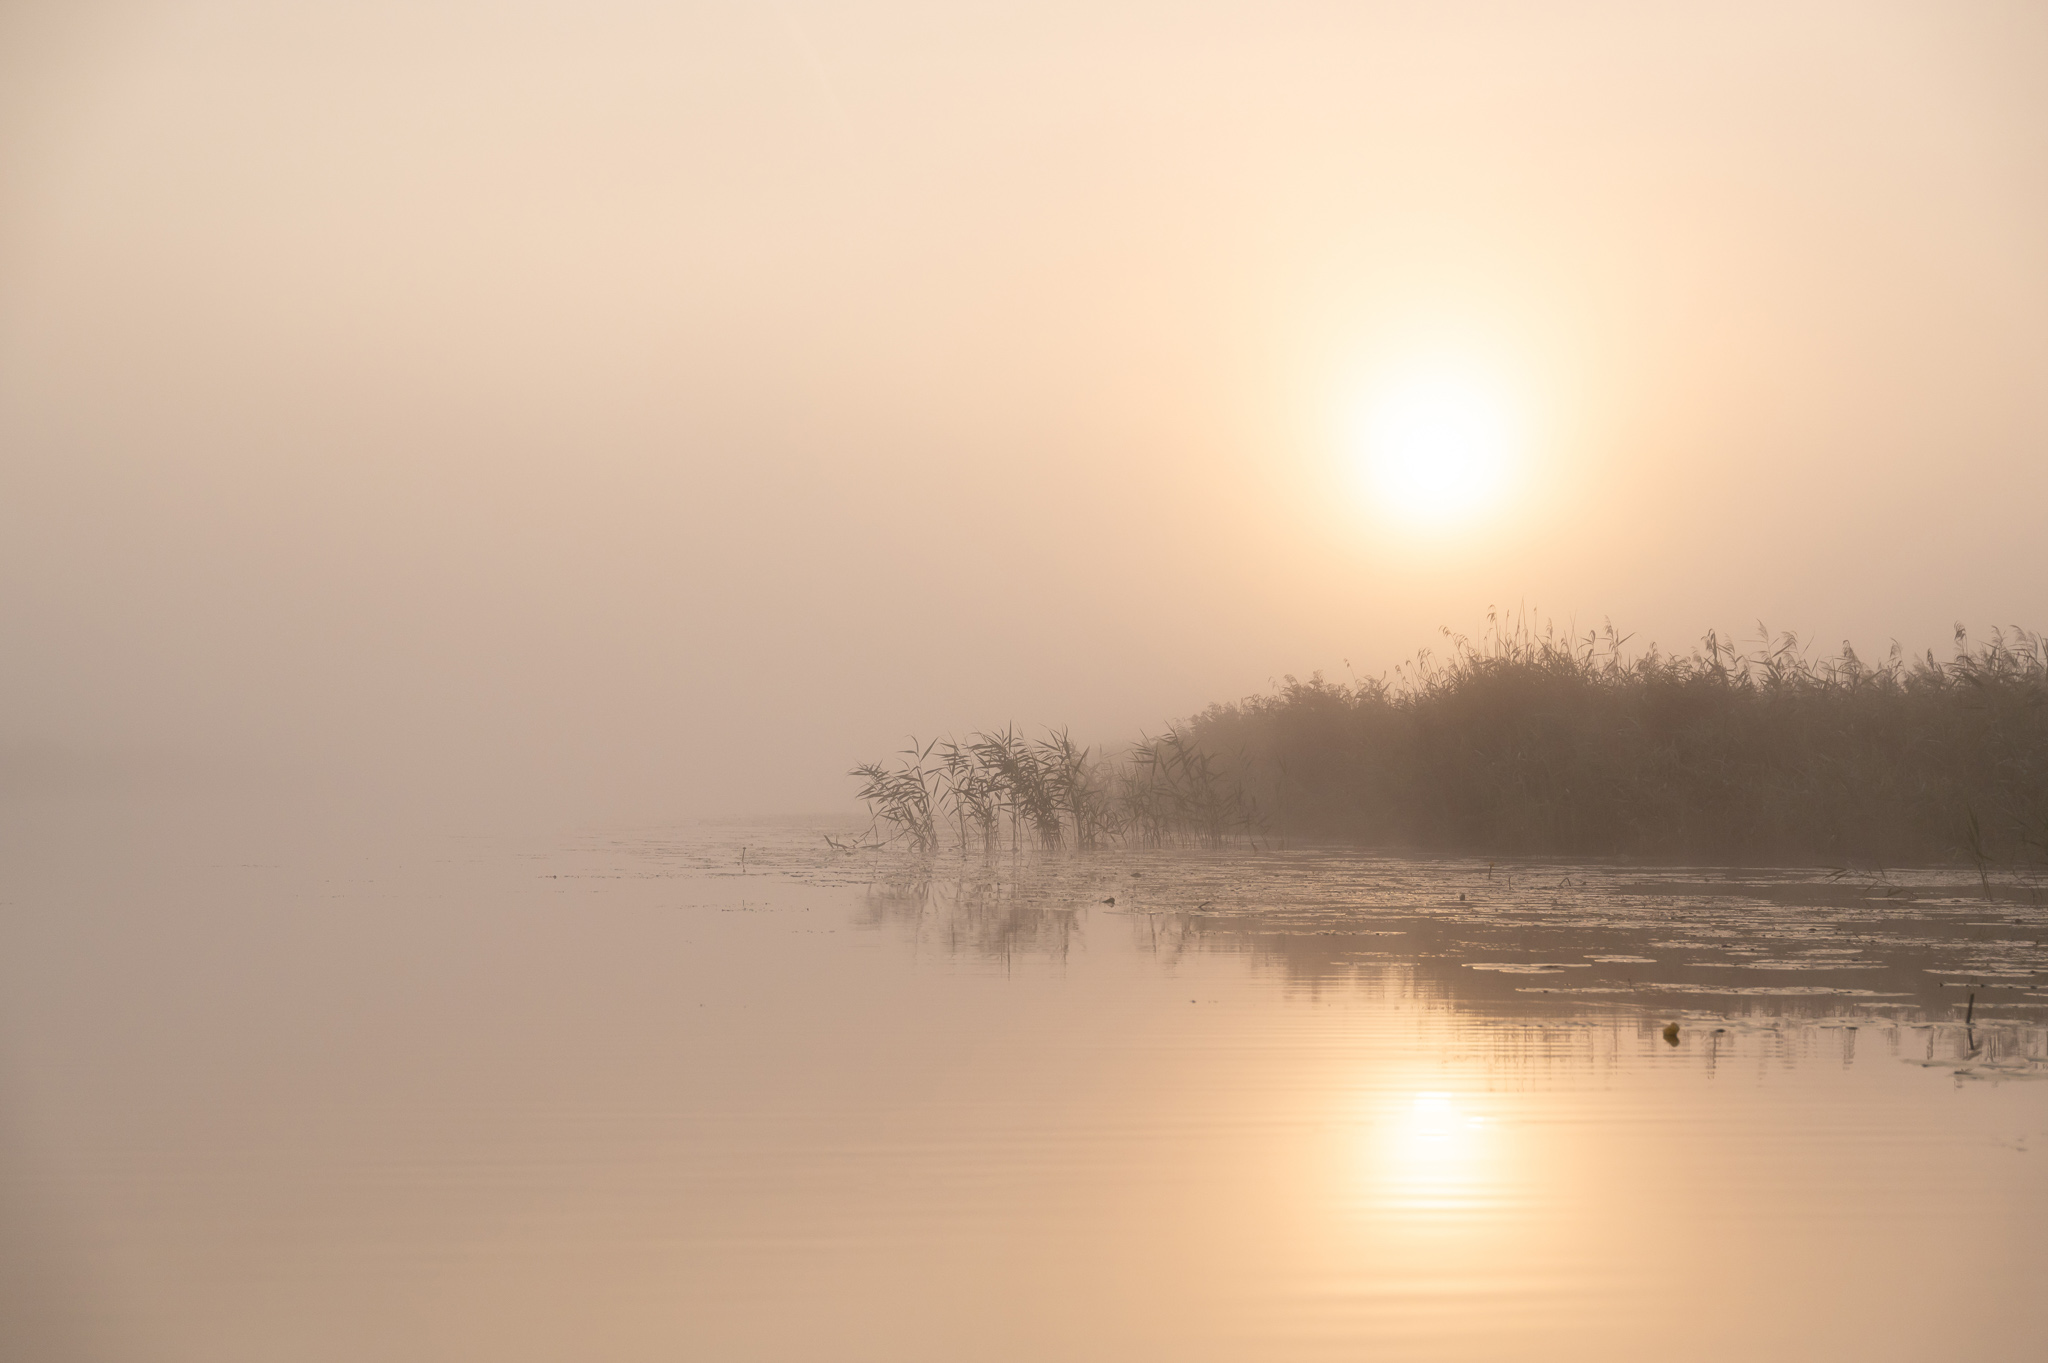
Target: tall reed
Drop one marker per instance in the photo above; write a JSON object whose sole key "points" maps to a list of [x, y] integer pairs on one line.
{"points": [[902, 796], [1000, 788], [1532, 742]]}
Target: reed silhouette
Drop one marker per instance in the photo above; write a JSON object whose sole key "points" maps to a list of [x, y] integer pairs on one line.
{"points": [[1052, 794], [1529, 742]]}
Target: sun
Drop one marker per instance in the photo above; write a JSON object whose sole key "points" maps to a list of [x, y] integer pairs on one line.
{"points": [[1434, 445]]}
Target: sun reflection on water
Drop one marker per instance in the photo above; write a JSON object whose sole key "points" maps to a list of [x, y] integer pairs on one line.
{"points": [[1434, 1156]]}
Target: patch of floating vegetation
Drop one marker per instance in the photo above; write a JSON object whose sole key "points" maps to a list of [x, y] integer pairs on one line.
{"points": [[1733, 990], [1789, 965], [1505, 937]]}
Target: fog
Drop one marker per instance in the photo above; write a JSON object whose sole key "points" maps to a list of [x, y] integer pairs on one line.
{"points": [[646, 411]]}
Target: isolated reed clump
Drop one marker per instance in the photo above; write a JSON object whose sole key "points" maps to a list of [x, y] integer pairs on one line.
{"points": [[901, 796], [1531, 743], [1000, 789]]}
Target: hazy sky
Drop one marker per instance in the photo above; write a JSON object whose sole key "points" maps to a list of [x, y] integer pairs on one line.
{"points": [[644, 409]]}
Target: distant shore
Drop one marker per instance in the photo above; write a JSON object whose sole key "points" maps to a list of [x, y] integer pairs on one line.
{"points": [[1528, 743]]}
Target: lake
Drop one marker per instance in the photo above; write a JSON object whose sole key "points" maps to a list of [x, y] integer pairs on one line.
{"points": [[724, 1092]]}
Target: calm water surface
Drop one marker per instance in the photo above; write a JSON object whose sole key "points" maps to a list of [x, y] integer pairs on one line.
{"points": [[722, 1093]]}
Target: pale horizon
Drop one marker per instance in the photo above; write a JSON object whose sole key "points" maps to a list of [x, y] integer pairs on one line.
{"points": [[648, 412]]}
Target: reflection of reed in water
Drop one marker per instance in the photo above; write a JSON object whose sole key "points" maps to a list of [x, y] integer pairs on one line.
{"points": [[973, 911], [1981, 1046], [1025, 905]]}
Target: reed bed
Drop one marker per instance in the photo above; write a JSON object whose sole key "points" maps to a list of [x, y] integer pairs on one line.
{"points": [[1528, 742], [999, 789]]}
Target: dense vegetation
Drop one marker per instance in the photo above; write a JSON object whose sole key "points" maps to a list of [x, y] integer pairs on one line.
{"points": [[999, 788], [1529, 743]]}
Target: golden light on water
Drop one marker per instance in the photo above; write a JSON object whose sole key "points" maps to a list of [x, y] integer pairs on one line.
{"points": [[1429, 1159], [1436, 445], [1436, 1154]]}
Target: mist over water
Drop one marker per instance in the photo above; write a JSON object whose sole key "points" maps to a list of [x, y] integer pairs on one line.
{"points": [[726, 1092], [475, 478]]}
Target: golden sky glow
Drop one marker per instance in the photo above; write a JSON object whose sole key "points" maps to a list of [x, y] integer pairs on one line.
{"points": [[1436, 445], [545, 397]]}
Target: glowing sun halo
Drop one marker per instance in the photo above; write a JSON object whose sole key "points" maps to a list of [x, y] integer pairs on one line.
{"points": [[1434, 447]]}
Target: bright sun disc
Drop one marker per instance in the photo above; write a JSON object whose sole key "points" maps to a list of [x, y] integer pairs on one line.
{"points": [[1435, 447]]}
